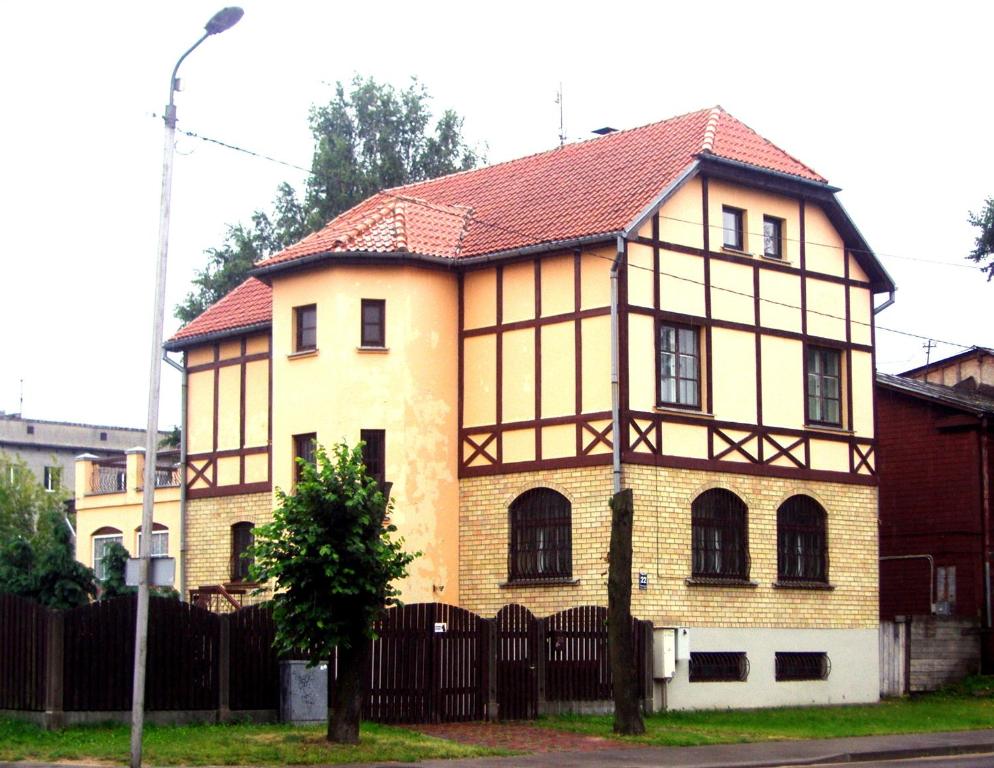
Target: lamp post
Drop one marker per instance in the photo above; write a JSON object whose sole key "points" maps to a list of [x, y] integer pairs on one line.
{"points": [[219, 22]]}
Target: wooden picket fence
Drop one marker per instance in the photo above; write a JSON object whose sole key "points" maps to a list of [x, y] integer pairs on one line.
{"points": [[431, 662]]}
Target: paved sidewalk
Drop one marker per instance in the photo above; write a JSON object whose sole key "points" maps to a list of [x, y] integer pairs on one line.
{"points": [[759, 755]]}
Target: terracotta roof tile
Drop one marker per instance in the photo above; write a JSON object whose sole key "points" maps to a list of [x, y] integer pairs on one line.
{"points": [[588, 188], [249, 304]]}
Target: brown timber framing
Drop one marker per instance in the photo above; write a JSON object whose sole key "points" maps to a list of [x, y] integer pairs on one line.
{"points": [[202, 466]]}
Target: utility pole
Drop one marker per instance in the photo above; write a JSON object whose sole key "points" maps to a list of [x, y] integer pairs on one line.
{"points": [[928, 346], [221, 21]]}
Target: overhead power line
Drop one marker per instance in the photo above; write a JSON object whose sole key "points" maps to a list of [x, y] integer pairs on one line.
{"points": [[535, 240]]}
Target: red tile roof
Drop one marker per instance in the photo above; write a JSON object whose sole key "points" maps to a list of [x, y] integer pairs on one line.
{"points": [[588, 188], [251, 303], [585, 189]]}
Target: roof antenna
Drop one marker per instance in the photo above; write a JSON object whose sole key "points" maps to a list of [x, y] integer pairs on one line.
{"points": [[562, 119], [20, 404], [928, 346]]}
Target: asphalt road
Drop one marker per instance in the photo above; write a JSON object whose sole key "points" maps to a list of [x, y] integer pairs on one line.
{"points": [[957, 761]]}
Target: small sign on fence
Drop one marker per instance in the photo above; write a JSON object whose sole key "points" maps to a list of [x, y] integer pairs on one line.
{"points": [[441, 626], [161, 571]]}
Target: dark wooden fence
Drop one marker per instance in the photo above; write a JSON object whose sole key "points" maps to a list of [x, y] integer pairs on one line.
{"points": [[23, 652], [420, 675], [82, 660], [431, 662]]}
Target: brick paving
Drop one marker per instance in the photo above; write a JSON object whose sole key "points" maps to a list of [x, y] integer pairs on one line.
{"points": [[519, 736]]}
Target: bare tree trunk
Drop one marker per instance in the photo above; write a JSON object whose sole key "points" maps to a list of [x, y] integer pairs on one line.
{"points": [[346, 695], [627, 717]]}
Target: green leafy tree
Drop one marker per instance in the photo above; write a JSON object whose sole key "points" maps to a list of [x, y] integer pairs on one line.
{"points": [[46, 569], [983, 250], [331, 557], [366, 139], [23, 500]]}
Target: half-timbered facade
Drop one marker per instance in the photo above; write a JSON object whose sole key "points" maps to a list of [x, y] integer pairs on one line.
{"points": [[683, 309]]}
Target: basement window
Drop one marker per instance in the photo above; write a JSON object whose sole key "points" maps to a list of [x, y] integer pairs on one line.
{"points": [[719, 667], [802, 666]]}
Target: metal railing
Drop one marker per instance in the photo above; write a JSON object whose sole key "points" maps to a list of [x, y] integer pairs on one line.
{"points": [[109, 477]]}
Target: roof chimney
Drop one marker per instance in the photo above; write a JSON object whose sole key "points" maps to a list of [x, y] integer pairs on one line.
{"points": [[604, 131]]}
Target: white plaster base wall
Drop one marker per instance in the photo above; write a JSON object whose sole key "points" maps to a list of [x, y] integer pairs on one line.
{"points": [[854, 677]]}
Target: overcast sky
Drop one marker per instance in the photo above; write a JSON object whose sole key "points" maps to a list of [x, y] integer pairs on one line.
{"points": [[889, 101]]}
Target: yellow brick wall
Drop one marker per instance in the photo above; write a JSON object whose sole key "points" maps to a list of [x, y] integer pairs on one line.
{"points": [[208, 535], [661, 544]]}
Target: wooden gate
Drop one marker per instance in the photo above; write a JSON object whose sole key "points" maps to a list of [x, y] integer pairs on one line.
{"points": [[516, 663], [429, 665]]}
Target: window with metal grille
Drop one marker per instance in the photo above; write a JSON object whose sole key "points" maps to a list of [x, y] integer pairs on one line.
{"points": [[824, 376], [374, 323], [794, 665], [541, 534], [679, 366], [303, 448], [719, 667], [306, 321], [241, 541], [802, 550], [719, 536], [374, 453]]}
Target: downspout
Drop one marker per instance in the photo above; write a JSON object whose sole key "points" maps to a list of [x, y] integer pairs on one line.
{"points": [[985, 478], [615, 367], [931, 574], [182, 474]]}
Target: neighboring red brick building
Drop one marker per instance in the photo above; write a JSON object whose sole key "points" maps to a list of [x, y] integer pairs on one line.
{"points": [[935, 466]]}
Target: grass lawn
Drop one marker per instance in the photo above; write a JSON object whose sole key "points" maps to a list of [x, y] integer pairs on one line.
{"points": [[967, 707], [241, 744]]}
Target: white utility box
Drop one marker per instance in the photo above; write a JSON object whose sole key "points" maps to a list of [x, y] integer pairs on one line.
{"points": [[663, 652]]}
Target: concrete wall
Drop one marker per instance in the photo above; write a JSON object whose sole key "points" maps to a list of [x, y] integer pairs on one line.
{"points": [[944, 650], [57, 443], [854, 677]]}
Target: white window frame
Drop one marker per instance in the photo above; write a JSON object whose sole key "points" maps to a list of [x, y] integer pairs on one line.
{"points": [[49, 472], [98, 562], [157, 537]]}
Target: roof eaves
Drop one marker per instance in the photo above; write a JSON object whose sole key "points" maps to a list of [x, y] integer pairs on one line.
{"points": [[176, 345], [636, 224], [936, 393], [822, 185]]}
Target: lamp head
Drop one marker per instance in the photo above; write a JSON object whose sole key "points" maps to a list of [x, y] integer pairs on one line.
{"points": [[224, 20]]}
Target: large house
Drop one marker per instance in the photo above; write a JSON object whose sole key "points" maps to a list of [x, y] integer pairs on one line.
{"points": [[683, 309]]}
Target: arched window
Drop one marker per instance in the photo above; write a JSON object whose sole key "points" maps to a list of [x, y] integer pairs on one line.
{"points": [[160, 540], [102, 539], [720, 536], [540, 545], [241, 540], [802, 548]]}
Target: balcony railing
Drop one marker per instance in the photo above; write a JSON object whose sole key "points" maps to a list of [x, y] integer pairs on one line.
{"points": [[109, 476]]}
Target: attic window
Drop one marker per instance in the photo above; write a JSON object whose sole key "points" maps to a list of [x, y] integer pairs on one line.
{"points": [[103, 437], [773, 237], [733, 228], [31, 429]]}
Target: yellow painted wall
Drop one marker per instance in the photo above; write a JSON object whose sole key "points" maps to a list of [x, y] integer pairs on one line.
{"points": [[410, 391], [681, 283], [680, 219], [824, 248], [732, 293], [783, 382], [123, 511], [558, 369], [519, 375], [557, 285], [734, 371]]}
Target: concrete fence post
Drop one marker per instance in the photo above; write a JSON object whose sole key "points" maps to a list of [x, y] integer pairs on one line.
{"points": [[54, 661]]}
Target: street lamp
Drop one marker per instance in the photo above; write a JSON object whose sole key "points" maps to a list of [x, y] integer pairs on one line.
{"points": [[219, 22]]}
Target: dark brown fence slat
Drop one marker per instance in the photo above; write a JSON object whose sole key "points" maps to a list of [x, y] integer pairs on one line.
{"points": [[23, 649]]}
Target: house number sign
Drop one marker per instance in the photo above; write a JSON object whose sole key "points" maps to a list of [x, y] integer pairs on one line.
{"points": [[643, 580]]}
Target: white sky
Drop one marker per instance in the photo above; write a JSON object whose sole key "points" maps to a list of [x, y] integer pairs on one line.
{"points": [[888, 101]]}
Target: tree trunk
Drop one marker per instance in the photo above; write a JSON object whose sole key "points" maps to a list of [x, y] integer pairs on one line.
{"points": [[346, 694], [627, 717]]}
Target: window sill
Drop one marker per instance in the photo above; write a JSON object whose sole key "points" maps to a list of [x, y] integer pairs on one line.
{"points": [[777, 259], [822, 586], [373, 350], [703, 581], [735, 251], [678, 411], [558, 582], [302, 353], [828, 429]]}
